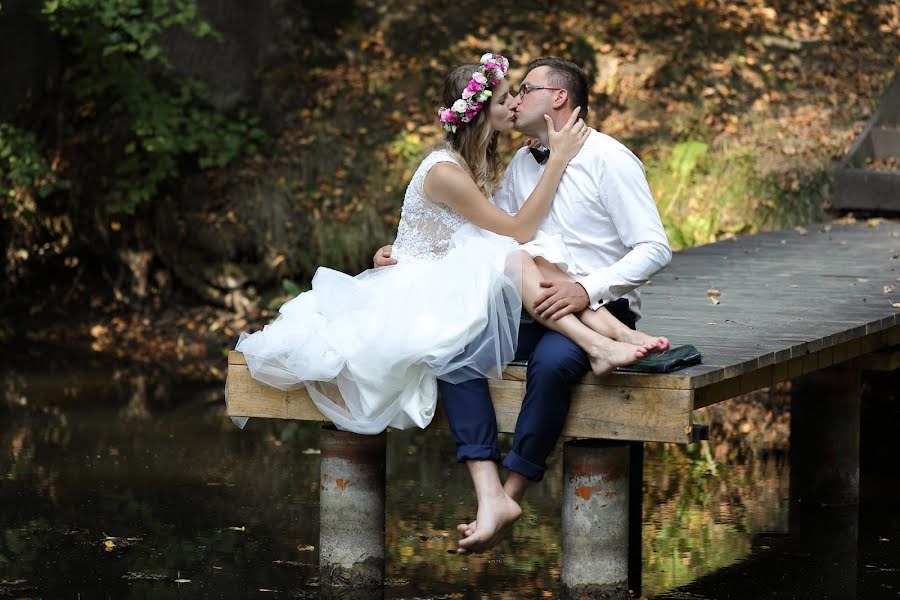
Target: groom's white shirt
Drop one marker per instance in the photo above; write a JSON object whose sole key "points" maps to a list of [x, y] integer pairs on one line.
{"points": [[605, 214]]}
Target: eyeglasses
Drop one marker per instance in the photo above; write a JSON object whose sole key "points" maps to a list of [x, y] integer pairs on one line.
{"points": [[527, 87]]}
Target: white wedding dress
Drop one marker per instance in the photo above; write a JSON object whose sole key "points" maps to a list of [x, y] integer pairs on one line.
{"points": [[369, 348]]}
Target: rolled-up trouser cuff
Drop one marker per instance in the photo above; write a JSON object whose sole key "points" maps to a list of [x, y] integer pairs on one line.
{"points": [[526, 469], [477, 452]]}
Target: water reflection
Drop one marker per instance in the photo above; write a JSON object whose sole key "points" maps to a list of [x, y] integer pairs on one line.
{"points": [[128, 485]]}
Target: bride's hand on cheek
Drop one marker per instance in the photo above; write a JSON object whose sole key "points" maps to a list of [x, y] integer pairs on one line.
{"points": [[565, 143]]}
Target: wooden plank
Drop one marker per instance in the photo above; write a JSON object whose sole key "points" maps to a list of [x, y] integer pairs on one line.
{"points": [[881, 361], [639, 414], [625, 413], [801, 365], [250, 398], [616, 379]]}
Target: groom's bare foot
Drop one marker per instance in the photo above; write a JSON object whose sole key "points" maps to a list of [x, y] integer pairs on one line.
{"points": [[495, 516], [605, 359], [639, 338], [466, 529]]}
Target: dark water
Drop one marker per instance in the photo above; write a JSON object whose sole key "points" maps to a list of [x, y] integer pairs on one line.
{"points": [[122, 485]]}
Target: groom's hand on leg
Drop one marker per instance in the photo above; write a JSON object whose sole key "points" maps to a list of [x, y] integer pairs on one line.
{"points": [[560, 298]]}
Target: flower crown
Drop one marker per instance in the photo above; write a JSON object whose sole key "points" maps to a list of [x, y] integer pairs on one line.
{"points": [[493, 68]]}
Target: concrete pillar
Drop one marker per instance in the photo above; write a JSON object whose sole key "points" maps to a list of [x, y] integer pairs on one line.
{"points": [[824, 454], [351, 500], [595, 517]]}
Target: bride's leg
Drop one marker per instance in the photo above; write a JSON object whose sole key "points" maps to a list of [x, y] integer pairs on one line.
{"points": [[601, 320], [604, 353]]}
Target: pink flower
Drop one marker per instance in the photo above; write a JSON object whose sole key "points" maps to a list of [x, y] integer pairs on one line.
{"points": [[473, 86], [470, 113], [495, 81], [467, 93], [479, 77]]}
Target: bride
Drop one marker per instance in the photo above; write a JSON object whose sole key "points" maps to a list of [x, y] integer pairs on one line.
{"points": [[369, 348]]}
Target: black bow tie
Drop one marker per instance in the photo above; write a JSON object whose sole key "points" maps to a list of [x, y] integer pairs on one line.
{"points": [[540, 154]]}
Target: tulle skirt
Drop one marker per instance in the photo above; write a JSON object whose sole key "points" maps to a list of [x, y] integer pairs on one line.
{"points": [[369, 348]]}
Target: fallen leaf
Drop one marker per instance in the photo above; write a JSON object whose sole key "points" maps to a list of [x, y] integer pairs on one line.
{"points": [[895, 304], [801, 230], [109, 545], [874, 222], [714, 299], [847, 220], [711, 292], [179, 580], [306, 548], [888, 289], [241, 528]]}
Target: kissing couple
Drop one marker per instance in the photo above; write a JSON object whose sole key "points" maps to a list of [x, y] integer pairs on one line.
{"points": [[541, 261]]}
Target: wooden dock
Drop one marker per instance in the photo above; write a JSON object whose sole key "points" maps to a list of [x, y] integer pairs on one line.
{"points": [[818, 305], [761, 309]]}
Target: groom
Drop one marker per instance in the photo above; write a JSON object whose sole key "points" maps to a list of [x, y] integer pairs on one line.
{"points": [[606, 216]]}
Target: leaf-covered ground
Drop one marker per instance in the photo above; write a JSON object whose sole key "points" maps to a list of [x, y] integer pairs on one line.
{"points": [[739, 110]]}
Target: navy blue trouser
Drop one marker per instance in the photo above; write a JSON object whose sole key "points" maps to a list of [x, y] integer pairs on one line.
{"points": [[555, 363]]}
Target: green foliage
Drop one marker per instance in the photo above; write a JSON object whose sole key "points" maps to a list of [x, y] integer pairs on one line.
{"points": [[702, 196], [290, 287], [156, 117], [685, 158], [23, 170]]}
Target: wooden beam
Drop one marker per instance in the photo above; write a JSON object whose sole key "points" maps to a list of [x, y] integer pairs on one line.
{"points": [[622, 413], [881, 361], [866, 347]]}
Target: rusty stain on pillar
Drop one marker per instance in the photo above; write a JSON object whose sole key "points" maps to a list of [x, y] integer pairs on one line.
{"points": [[351, 500], [595, 520]]}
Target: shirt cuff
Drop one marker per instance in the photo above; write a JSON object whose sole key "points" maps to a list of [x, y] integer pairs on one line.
{"points": [[597, 287]]}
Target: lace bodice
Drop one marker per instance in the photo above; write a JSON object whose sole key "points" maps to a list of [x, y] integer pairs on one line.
{"points": [[425, 227]]}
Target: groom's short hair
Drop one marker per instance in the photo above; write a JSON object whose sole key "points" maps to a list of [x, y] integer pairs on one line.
{"points": [[568, 75]]}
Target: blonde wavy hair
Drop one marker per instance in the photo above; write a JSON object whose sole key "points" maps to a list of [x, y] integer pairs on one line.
{"points": [[474, 145]]}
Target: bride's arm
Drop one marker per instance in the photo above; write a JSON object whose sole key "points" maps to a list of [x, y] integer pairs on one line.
{"points": [[451, 185]]}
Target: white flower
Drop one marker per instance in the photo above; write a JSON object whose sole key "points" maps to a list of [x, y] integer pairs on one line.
{"points": [[460, 106], [486, 57], [487, 94], [479, 78]]}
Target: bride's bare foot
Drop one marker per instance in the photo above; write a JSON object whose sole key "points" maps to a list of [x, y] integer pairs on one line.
{"points": [[495, 516], [604, 359], [639, 338]]}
